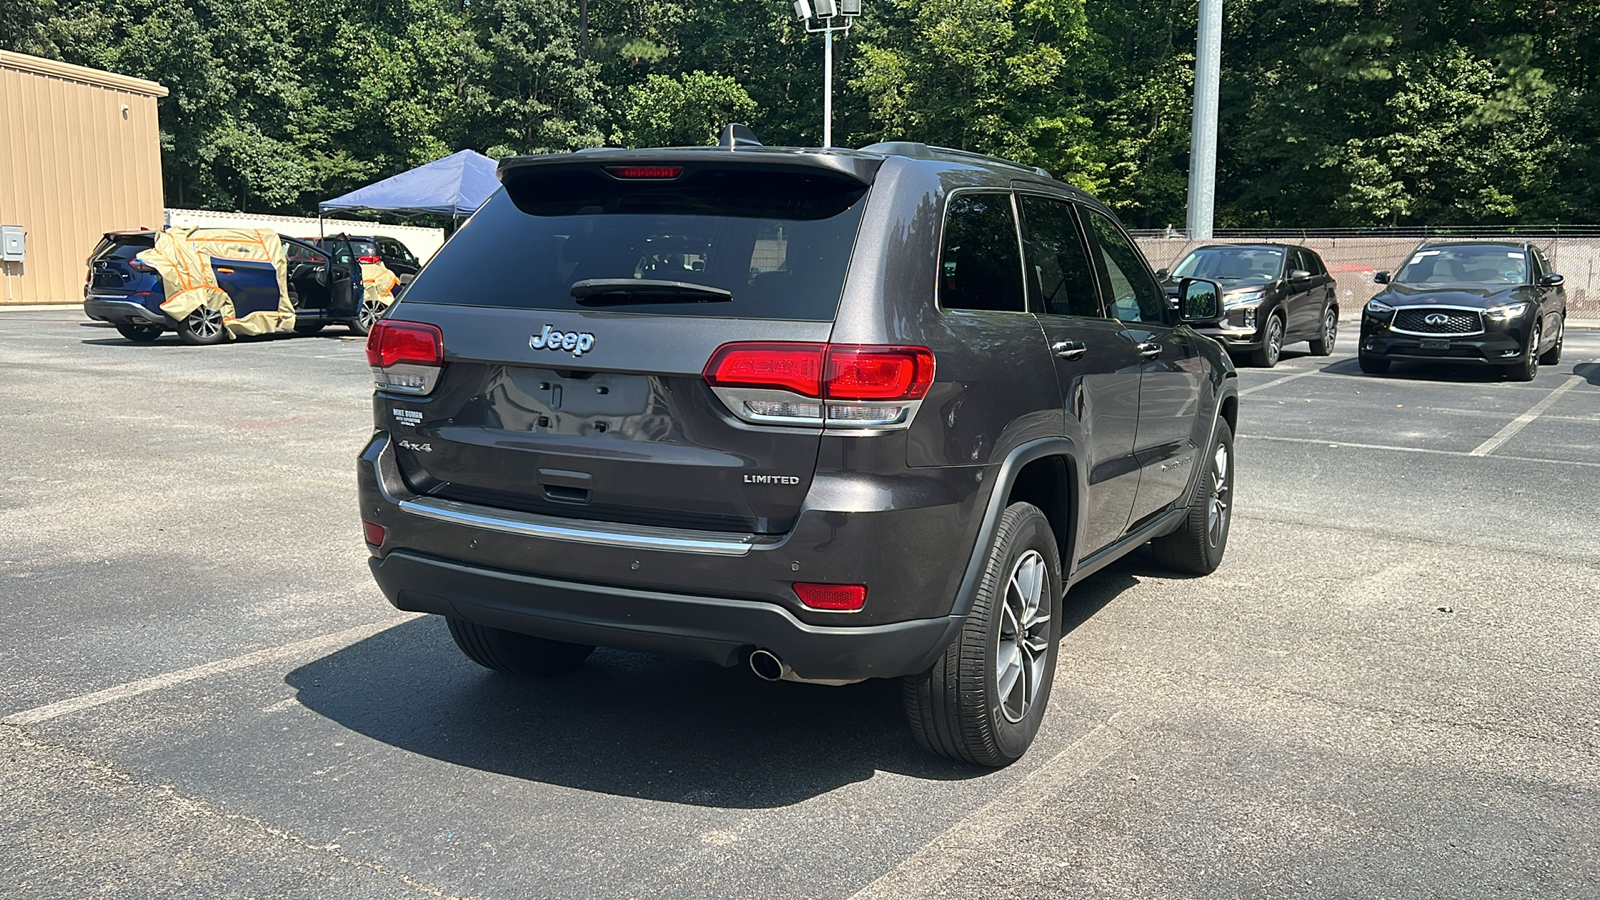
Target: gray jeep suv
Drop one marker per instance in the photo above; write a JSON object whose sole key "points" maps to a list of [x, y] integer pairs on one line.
{"points": [[833, 414]]}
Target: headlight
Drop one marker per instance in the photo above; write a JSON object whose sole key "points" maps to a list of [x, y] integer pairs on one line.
{"points": [[1508, 311], [1374, 308], [1243, 298]]}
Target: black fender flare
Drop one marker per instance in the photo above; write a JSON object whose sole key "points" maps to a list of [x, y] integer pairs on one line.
{"points": [[1005, 477]]}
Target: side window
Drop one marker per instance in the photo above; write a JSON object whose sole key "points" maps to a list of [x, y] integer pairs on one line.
{"points": [[1134, 295], [1540, 266], [298, 252], [980, 266], [1060, 278]]}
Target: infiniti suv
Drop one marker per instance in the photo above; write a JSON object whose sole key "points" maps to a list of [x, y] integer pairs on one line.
{"points": [[831, 414]]}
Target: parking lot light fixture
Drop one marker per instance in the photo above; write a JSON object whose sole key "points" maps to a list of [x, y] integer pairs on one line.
{"points": [[827, 17]]}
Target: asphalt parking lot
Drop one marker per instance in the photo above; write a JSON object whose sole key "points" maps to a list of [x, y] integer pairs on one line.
{"points": [[1388, 690]]}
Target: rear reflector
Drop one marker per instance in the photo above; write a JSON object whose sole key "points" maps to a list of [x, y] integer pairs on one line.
{"points": [[375, 533], [405, 356], [645, 172], [831, 597]]}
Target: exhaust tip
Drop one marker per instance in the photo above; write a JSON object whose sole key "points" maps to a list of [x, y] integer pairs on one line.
{"points": [[767, 666]]}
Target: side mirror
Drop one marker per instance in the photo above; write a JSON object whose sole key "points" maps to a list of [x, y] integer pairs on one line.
{"points": [[1200, 301], [1381, 278], [1551, 280], [1299, 275], [1162, 273]]}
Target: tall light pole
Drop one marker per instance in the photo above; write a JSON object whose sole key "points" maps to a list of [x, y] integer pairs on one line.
{"points": [[1203, 134], [827, 17]]}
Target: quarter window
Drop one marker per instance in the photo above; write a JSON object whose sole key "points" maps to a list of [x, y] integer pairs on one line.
{"points": [[1060, 278], [1134, 295], [980, 267]]}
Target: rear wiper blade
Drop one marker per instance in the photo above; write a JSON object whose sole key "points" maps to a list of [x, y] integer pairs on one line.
{"points": [[646, 290]]}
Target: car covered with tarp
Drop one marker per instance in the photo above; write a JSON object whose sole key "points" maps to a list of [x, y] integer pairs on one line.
{"points": [[209, 285]]}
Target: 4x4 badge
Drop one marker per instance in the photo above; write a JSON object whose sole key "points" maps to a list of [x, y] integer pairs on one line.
{"points": [[578, 342]]}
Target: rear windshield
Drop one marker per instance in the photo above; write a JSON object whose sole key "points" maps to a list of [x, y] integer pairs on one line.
{"points": [[777, 242], [126, 248]]}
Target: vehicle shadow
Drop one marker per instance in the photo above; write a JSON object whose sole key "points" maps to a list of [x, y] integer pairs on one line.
{"points": [[1588, 371], [632, 724], [1421, 371]]}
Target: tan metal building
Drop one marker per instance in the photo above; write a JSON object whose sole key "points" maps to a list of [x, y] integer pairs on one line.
{"points": [[80, 155]]}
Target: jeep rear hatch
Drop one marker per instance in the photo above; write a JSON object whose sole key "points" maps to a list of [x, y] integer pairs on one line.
{"points": [[578, 310]]}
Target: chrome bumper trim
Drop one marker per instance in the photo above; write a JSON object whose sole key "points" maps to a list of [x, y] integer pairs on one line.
{"points": [[580, 531]]}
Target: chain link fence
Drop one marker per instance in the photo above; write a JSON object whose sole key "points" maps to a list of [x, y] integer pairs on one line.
{"points": [[1353, 256]]}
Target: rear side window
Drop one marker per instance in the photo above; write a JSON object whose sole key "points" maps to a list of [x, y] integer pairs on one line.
{"points": [[777, 242], [1059, 273], [980, 266]]}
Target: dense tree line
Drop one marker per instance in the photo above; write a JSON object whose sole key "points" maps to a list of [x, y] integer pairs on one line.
{"points": [[1334, 112]]}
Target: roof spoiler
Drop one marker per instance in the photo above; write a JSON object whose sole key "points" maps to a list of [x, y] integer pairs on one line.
{"points": [[737, 135]]}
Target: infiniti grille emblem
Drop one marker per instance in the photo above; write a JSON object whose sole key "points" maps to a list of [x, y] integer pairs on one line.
{"points": [[1436, 319]]}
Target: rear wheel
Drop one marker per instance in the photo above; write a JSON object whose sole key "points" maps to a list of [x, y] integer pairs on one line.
{"points": [[1271, 343], [142, 334], [1528, 367], [1323, 344], [1373, 365], [983, 700], [203, 326], [1197, 546], [1552, 356], [513, 653]]}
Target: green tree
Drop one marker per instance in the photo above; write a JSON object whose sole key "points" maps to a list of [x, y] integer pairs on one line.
{"points": [[680, 112]]}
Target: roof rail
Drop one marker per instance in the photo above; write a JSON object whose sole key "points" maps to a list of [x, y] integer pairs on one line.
{"points": [[919, 150], [737, 135]]}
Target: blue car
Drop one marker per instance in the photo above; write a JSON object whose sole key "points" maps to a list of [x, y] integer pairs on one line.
{"points": [[127, 293]]}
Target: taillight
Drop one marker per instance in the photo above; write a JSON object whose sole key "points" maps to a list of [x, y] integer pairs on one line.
{"points": [[405, 357], [843, 385], [370, 260], [831, 597], [141, 267], [645, 172]]}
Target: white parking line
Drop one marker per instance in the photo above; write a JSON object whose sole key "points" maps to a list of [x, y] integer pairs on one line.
{"points": [[1522, 421], [923, 873], [1277, 381], [1342, 445], [193, 673]]}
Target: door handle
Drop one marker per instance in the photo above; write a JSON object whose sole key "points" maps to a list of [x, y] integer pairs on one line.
{"points": [[224, 270], [1069, 349], [1149, 349]]}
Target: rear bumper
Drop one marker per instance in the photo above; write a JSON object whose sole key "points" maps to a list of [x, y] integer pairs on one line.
{"points": [[122, 311], [710, 595], [715, 629]]}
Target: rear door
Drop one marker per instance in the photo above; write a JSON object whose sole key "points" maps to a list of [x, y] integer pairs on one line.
{"points": [[309, 271], [579, 309], [1098, 366], [1170, 411]]}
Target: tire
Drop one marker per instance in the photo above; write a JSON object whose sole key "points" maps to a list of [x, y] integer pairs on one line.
{"points": [[202, 327], [1197, 546], [1271, 343], [1323, 344], [1373, 365], [959, 708], [1552, 357], [140, 334], [1528, 368], [512, 653], [367, 313]]}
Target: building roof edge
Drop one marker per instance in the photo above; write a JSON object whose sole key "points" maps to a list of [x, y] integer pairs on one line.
{"points": [[38, 65]]}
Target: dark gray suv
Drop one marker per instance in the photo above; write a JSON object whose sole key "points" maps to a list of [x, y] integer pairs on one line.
{"points": [[833, 414]]}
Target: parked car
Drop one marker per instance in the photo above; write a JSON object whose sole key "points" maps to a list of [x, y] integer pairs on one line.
{"points": [[1273, 295], [834, 414], [1494, 303], [373, 248], [129, 293]]}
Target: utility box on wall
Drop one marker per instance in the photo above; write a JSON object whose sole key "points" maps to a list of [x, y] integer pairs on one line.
{"points": [[11, 243]]}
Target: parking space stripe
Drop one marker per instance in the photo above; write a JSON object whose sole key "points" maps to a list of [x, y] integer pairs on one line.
{"points": [[923, 873], [1353, 445], [1276, 381], [194, 673], [1522, 421]]}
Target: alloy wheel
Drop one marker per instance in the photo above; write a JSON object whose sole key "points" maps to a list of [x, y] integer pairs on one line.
{"points": [[1274, 342], [1533, 351], [1023, 650], [369, 313], [1221, 488], [1330, 329], [205, 323]]}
